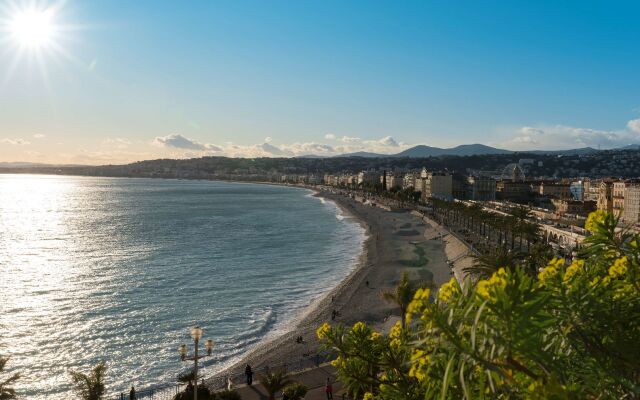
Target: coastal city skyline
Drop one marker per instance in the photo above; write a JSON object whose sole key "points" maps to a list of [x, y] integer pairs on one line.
{"points": [[286, 80], [296, 200]]}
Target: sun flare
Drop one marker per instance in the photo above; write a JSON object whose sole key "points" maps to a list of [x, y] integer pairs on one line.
{"points": [[33, 28]]}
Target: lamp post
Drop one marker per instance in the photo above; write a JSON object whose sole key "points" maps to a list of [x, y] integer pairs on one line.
{"points": [[196, 334]]}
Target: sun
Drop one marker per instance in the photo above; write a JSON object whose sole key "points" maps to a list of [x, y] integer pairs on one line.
{"points": [[32, 28], [36, 33]]}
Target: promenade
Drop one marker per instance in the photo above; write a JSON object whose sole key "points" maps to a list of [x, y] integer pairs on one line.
{"points": [[314, 379]]}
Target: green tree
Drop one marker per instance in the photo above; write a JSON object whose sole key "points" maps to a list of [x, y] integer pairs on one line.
{"points": [[274, 382], [6, 392], [487, 263], [570, 332], [90, 386], [401, 295]]}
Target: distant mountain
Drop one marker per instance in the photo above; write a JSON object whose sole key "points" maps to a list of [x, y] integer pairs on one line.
{"points": [[365, 154], [462, 150], [422, 151], [310, 156], [570, 152], [630, 147], [22, 164]]}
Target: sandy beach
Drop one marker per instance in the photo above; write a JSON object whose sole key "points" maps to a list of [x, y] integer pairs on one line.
{"points": [[397, 241]]}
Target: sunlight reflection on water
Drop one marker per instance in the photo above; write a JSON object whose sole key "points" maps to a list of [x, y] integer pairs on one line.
{"points": [[115, 269]]}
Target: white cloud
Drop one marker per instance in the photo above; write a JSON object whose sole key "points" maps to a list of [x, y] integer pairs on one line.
{"points": [[181, 146], [389, 141], [270, 149], [347, 139], [330, 136], [634, 125], [15, 142], [39, 136], [178, 141], [562, 137]]}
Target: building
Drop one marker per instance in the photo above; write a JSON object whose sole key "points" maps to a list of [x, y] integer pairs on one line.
{"points": [[513, 172], [617, 197], [421, 180], [605, 199], [513, 191], [481, 188], [438, 185], [392, 180], [573, 207], [409, 180], [555, 190], [577, 190], [459, 186], [591, 190], [368, 178], [631, 208]]}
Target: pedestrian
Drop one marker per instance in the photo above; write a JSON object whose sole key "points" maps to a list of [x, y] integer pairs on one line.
{"points": [[132, 394], [249, 374], [229, 384], [328, 389]]}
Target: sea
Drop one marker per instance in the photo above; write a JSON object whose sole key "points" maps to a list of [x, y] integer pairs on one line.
{"points": [[117, 270]]}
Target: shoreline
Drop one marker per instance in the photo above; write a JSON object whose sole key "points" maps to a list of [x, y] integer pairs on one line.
{"points": [[387, 250]]}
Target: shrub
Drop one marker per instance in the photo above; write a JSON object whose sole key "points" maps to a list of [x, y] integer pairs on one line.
{"points": [[295, 391], [203, 394], [227, 395], [572, 332]]}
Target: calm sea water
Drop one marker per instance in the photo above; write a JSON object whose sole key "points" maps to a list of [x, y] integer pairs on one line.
{"points": [[116, 270]]}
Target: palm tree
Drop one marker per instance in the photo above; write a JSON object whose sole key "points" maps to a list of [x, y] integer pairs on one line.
{"points": [[485, 264], [6, 392], [274, 382], [90, 386], [401, 295], [538, 255]]}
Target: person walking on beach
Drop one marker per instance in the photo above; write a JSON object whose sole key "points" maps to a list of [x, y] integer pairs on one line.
{"points": [[328, 389], [249, 374], [132, 394]]}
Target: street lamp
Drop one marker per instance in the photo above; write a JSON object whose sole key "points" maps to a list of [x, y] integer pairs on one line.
{"points": [[196, 334]]}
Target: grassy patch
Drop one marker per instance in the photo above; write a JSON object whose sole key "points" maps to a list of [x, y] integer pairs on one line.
{"points": [[420, 260]]}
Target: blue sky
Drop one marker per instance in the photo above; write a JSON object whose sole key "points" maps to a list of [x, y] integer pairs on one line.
{"points": [[123, 81]]}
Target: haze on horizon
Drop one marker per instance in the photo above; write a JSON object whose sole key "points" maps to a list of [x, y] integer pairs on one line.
{"points": [[119, 81]]}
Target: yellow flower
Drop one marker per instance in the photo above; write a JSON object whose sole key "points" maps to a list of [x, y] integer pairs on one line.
{"points": [[419, 302], [619, 267], [359, 327], [575, 267], [448, 290], [595, 218], [368, 396], [396, 330], [551, 270], [624, 292], [323, 331], [420, 361], [487, 287], [375, 336]]}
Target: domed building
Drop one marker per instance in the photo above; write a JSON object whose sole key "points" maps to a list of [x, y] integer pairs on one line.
{"points": [[513, 172]]}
